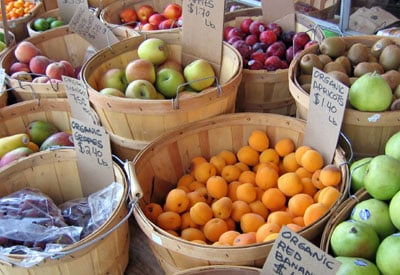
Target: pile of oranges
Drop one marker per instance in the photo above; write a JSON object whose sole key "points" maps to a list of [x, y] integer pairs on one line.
{"points": [[244, 197], [17, 8]]}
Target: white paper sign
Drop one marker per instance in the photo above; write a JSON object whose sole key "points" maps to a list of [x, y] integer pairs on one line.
{"points": [[78, 99], [93, 150], [327, 104], [86, 24], [67, 8], [293, 254], [2, 77]]}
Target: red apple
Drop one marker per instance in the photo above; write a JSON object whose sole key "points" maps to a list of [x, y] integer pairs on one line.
{"points": [[167, 24], [172, 64], [140, 69], [257, 27], [268, 37], [38, 64], [156, 18], [251, 39], [18, 67], [172, 11], [144, 12], [245, 25]]}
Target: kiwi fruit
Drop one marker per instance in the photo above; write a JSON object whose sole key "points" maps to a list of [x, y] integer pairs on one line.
{"points": [[392, 77], [367, 67], [352, 79], [396, 92], [390, 57], [325, 58], [357, 53], [304, 79], [308, 62], [345, 61], [333, 46], [379, 45], [340, 76], [372, 58], [395, 105], [334, 66], [306, 87]]}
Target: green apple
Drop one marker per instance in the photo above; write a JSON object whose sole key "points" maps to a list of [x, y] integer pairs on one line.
{"points": [[370, 93], [112, 92], [56, 23], [392, 146], [172, 64], [113, 78], [153, 49], [140, 69], [141, 89], [382, 177], [394, 212], [199, 74], [40, 24], [169, 81], [39, 130], [2, 45], [357, 172], [387, 255]]}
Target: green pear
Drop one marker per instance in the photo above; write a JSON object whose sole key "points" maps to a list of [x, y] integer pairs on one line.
{"points": [[39, 130], [392, 146], [356, 266], [387, 255], [357, 172]]}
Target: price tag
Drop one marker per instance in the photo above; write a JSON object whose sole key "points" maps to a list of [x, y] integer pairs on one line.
{"points": [[85, 23], [293, 254], [327, 105], [202, 30], [93, 150], [67, 8], [78, 100]]}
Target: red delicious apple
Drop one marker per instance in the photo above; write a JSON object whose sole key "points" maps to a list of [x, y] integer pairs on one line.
{"points": [[172, 64], [55, 70], [300, 39], [167, 24], [244, 49], [277, 48], [272, 63], [268, 37], [173, 11], [18, 67], [144, 12], [254, 65], [245, 25], [256, 27], [38, 64], [146, 27], [25, 50], [156, 18], [276, 28], [251, 39], [69, 69]]}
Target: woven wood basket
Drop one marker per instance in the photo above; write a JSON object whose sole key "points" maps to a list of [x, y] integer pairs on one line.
{"points": [[367, 131], [11, 41], [3, 97], [56, 174], [160, 164], [57, 44], [342, 214], [142, 120], [220, 270], [18, 26], [50, 13], [323, 9], [261, 90], [110, 16]]}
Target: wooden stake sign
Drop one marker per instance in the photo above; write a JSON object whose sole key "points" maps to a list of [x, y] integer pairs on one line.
{"points": [[281, 12], [202, 29], [293, 254], [327, 104]]}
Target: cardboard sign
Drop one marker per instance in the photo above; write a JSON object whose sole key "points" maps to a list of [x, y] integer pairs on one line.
{"points": [[2, 77], [67, 8], [78, 100], [93, 151], [293, 254], [281, 12], [202, 30], [86, 24], [327, 104]]}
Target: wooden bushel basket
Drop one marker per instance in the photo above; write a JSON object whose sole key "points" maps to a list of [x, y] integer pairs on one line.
{"points": [[143, 120], [57, 44], [368, 132], [110, 16], [261, 90], [50, 13], [221, 270], [160, 164], [55, 173]]}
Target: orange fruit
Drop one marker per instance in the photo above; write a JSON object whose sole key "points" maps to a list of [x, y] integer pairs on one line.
{"points": [[264, 230], [248, 155], [266, 177], [248, 176], [203, 171], [152, 210], [308, 186], [294, 227], [231, 172], [330, 175], [228, 156], [258, 140], [177, 201], [298, 203], [274, 199], [328, 196], [314, 212], [244, 239], [169, 220], [299, 220], [195, 196], [316, 180], [280, 217], [194, 162], [186, 221], [290, 184], [298, 153], [312, 160], [259, 208], [269, 155], [185, 180], [246, 192], [200, 213], [218, 162], [222, 208], [217, 187], [250, 222], [191, 234], [271, 237], [214, 228], [242, 166], [239, 208], [195, 185], [289, 162], [232, 186], [230, 223], [303, 172], [284, 146], [228, 237]]}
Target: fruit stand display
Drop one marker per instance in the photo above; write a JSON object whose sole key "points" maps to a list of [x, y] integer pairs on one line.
{"points": [[44, 21]]}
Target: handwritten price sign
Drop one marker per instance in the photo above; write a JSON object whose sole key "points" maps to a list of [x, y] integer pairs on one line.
{"points": [[202, 9], [327, 104]]}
